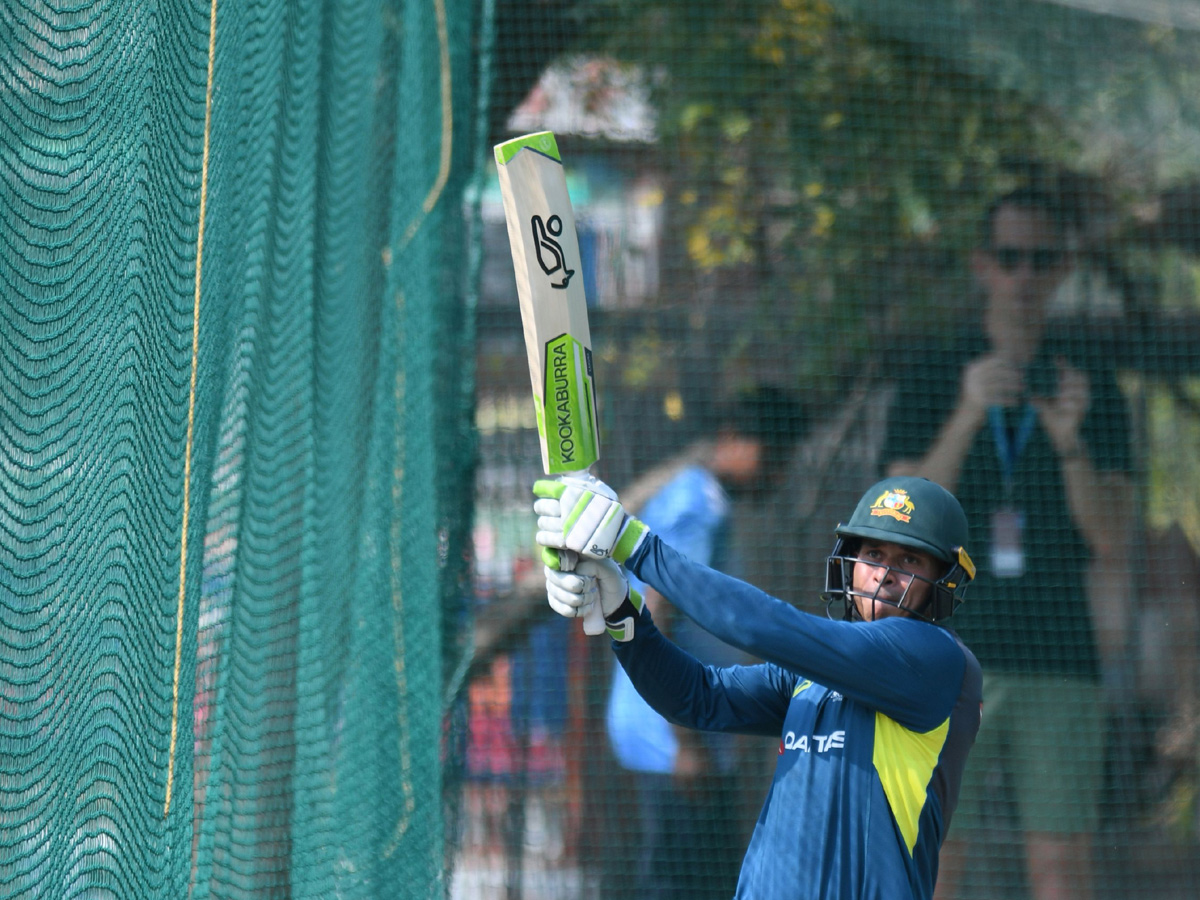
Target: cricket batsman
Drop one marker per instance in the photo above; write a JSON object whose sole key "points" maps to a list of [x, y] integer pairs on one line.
{"points": [[875, 712]]}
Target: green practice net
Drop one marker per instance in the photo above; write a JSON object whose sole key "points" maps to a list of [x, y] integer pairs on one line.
{"points": [[803, 194], [234, 389]]}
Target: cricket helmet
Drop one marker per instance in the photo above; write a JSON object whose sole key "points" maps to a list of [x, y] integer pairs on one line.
{"points": [[915, 513]]}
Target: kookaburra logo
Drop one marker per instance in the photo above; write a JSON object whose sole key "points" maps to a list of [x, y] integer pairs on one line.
{"points": [[550, 254]]}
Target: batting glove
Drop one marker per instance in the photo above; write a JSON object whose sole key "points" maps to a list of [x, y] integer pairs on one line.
{"points": [[582, 513], [595, 581]]}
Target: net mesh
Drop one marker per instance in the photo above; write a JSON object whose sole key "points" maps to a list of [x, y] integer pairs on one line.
{"points": [[797, 193], [266, 626], [237, 273]]}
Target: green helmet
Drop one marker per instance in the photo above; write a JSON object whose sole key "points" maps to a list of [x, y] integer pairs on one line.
{"points": [[914, 513]]}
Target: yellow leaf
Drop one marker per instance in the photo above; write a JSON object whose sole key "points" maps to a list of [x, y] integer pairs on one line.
{"points": [[734, 177], [736, 126], [823, 221], [693, 114]]}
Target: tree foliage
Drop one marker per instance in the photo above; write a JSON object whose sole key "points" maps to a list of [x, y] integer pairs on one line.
{"points": [[821, 173]]}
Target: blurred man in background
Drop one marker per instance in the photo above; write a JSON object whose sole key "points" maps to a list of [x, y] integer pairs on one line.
{"points": [[1036, 447]]}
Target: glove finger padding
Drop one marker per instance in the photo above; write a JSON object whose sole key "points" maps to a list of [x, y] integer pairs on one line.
{"points": [[550, 536], [571, 594], [549, 509]]}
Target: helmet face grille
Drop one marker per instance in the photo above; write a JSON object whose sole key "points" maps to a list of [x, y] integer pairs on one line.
{"points": [[945, 594], [847, 564]]}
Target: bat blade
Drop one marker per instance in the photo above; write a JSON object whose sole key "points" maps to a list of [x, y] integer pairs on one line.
{"points": [[558, 342], [545, 252]]}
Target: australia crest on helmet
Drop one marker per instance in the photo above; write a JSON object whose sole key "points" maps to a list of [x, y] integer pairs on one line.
{"points": [[894, 503]]}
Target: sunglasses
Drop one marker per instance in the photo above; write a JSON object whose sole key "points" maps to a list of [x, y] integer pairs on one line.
{"points": [[1040, 259]]}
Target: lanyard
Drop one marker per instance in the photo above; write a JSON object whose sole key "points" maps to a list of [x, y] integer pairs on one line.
{"points": [[1008, 452]]}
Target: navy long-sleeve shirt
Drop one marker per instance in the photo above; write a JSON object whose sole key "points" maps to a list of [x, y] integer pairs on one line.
{"points": [[875, 722]]}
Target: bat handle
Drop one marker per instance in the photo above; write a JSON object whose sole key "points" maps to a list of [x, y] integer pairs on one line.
{"points": [[567, 560]]}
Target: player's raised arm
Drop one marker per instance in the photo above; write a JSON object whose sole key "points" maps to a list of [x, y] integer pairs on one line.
{"points": [[746, 699]]}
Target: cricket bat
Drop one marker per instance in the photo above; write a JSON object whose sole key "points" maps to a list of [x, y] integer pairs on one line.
{"points": [[558, 343]]}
